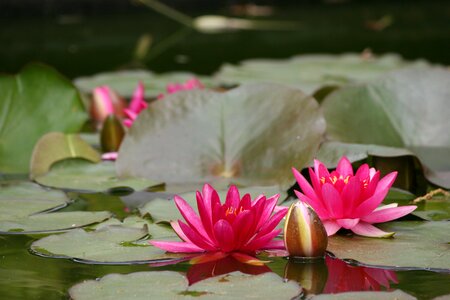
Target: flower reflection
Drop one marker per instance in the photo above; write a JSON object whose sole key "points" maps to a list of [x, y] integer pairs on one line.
{"points": [[332, 276], [343, 277], [211, 265]]}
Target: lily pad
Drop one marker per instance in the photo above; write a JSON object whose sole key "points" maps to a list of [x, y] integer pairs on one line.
{"points": [[56, 146], [82, 175], [164, 210], [416, 245], [311, 72], [36, 101], [251, 135], [397, 295], [124, 82], [407, 110], [27, 208], [435, 208], [173, 285], [106, 245]]}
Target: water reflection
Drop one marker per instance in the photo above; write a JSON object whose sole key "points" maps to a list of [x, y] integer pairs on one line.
{"points": [[332, 275]]}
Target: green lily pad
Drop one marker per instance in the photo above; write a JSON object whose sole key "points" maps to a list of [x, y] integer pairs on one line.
{"points": [[416, 244], [407, 110], [36, 101], [164, 210], [397, 295], [56, 146], [437, 208], [124, 82], [251, 135], [107, 245], [27, 208], [173, 285], [311, 72], [82, 175]]}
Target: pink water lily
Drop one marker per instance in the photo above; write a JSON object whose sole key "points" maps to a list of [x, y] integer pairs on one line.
{"points": [[137, 104], [351, 201], [238, 225], [190, 84]]}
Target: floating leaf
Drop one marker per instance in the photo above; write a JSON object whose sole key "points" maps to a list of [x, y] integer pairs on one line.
{"points": [[407, 110], [172, 285], [435, 206], [164, 210], [251, 135], [124, 82], [397, 295], [108, 245], [27, 208], [36, 101], [416, 244], [85, 176], [311, 72], [56, 146]]}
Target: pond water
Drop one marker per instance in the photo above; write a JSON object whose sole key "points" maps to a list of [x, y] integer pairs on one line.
{"points": [[27, 276]]}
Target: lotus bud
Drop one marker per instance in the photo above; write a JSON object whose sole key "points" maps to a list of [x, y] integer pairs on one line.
{"points": [[104, 103], [311, 274], [112, 134], [304, 233]]}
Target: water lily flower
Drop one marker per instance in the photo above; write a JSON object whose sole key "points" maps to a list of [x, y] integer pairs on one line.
{"points": [[304, 233], [351, 201], [105, 102], [343, 277], [137, 104], [238, 225], [190, 84]]}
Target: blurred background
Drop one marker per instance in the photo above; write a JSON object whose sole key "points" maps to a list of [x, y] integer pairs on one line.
{"points": [[83, 37]]}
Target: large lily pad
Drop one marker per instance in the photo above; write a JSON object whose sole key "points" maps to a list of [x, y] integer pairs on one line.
{"points": [[416, 245], [407, 110], [27, 208], [164, 210], [113, 244], [56, 146], [36, 101], [124, 82], [310, 72], [172, 285], [251, 135], [81, 175], [370, 295]]}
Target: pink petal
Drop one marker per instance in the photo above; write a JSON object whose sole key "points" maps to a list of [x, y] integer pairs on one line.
{"points": [[388, 214], [136, 104], [272, 223], [350, 195], [317, 206], [128, 122], [176, 227], [323, 172], [261, 242], [275, 244], [110, 156], [365, 229], [269, 206], [177, 247], [208, 257], [347, 223], [371, 186], [224, 235], [247, 259], [243, 227], [233, 198], [196, 238], [344, 167], [363, 172], [305, 186], [205, 216], [332, 200], [106, 101], [191, 218], [369, 205], [331, 227]]}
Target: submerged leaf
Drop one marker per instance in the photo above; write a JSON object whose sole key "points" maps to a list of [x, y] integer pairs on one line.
{"points": [[250, 135], [85, 176], [173, 285], [56, 146], [36, 101]]}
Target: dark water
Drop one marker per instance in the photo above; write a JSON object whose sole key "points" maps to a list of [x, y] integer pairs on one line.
{"points": [[81, 41], [26, 276]]}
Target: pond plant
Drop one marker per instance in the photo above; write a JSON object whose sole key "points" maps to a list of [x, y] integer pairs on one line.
{"points": [[287, 189]]}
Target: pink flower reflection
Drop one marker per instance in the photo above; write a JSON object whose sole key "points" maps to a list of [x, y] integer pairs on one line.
{"points": [[343, 277]]}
